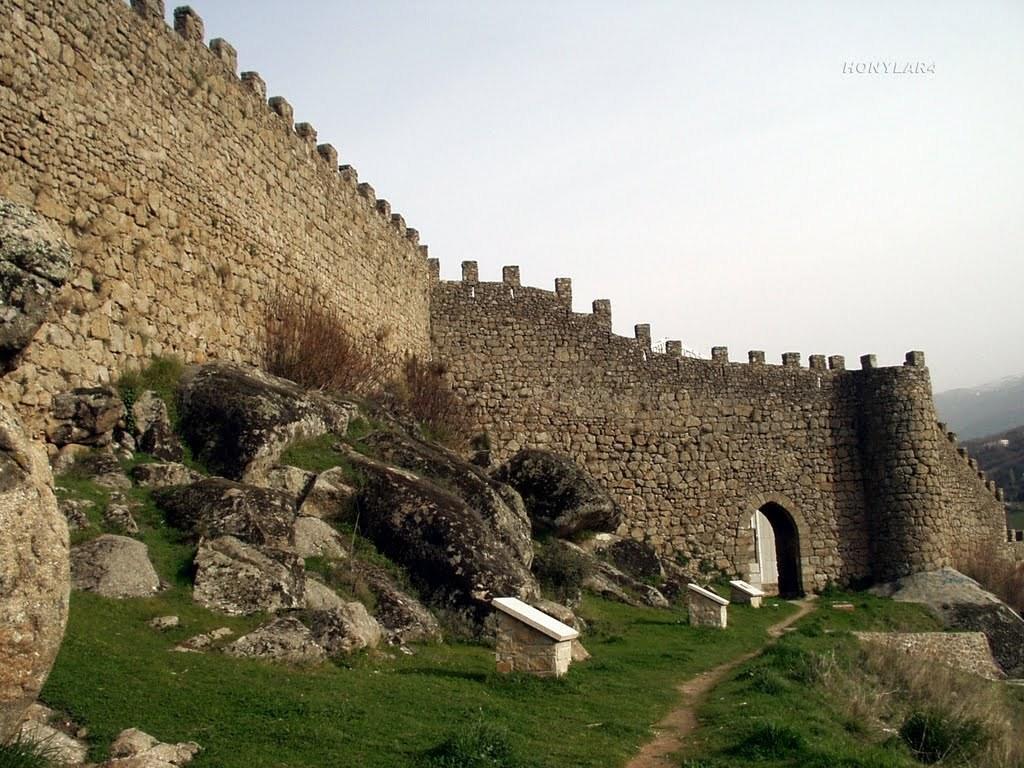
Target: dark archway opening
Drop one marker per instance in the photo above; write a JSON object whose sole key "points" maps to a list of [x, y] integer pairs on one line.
{"points": [[787, 549]]}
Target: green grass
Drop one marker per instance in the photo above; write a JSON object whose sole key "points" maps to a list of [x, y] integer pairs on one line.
{"points": [[377, 709], [777, 711], [21, 753]]}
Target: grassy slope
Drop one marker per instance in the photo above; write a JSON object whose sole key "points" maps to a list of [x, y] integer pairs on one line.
{"points": [[774, 712], [115, 672]]}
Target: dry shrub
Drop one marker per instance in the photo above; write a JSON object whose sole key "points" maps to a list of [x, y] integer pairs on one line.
{"points": [[942, 713], [310, 344], [424, 393], [997, 573]]}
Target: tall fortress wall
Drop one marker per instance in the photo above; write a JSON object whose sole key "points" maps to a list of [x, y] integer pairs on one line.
{"points": [[190, 199], [691, 448]]}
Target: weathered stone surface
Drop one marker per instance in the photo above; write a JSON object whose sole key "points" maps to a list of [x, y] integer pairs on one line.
{"points": [[118, 516], [403, 618], [114, 566], [237, 579], [320, 597], [87, 416], [560, 496], [59, 745], [163, 474], [35, 261], [153, 429], [498, 504], [634, 558], [330, 496], [285, 639], [164, 622], [135, 749], [68, 456], [216, 507], [292, 480], [76, 512], [312, 537], [345, 630], [239, 419], [453, 554], [609, 582], [964, 605], [205, 641]]}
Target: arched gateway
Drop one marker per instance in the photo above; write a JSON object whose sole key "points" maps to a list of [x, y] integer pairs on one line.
{"points": [[770, 534]]}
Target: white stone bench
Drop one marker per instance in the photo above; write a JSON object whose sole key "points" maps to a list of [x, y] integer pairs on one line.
{"points": [[706, 608], [530, 641], [742, 592]]}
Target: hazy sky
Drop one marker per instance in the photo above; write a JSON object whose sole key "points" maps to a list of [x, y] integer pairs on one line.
{"points": [[707, 166]]}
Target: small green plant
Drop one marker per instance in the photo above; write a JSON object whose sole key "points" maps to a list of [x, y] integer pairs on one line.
{"points": [[771, 741], [560, 570], [478, 745], [935, 736], [23, 753], [162, 375]]}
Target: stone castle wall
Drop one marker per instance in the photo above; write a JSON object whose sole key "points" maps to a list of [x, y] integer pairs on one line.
{"points": [[188, 199], [691, 448]]}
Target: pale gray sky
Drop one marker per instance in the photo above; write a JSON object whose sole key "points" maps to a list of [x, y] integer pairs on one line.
{"points": [[707, 166]]}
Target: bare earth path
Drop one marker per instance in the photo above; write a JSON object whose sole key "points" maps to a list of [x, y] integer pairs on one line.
{"points": [[682, 721]]}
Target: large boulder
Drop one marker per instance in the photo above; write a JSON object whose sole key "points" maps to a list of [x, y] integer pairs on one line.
{"points": [[239, 419], [86, 416], [238, 579], [216, 507], [284, 639], [964, 605], [500, 507], [114, 566], [35, 578], [455, 556], [345, 629], [560, 496], [35, 261], [637, 559]]}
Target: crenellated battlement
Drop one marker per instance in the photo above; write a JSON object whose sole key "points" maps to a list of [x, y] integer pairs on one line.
{"points": [[558, 303], [690, 447], [190, 193]]}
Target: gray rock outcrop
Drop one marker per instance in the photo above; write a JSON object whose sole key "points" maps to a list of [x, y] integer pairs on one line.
{"points": [[114, 566], [35, 262], [560, 497], [34, 571], [163, 475], [86, 416], [153, 430], [963, 604], [345, 630], [499, 506], [135, 749], [238, 419], [403, 618], [455, 556], [238, 579], [312, 537], [216, 507], [329, 497], [285, 639]]}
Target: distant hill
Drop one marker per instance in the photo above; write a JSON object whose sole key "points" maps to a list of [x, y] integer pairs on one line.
{"points": [[987, 409], [1002, 457]]}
